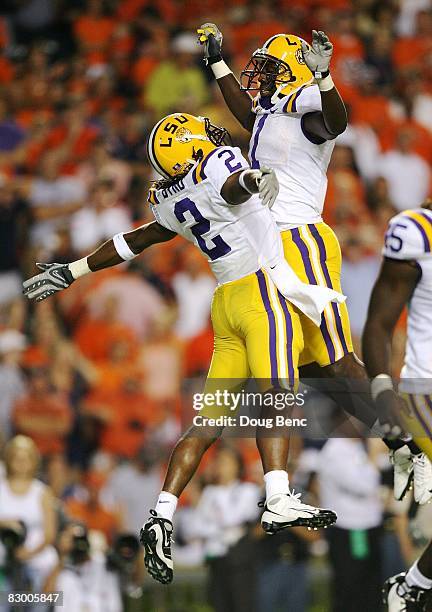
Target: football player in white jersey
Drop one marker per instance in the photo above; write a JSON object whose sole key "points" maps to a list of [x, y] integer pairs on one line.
{"points": [[205, 196], [293, 121], [405, 279]]}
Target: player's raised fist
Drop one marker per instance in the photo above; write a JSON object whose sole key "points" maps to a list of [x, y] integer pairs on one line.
{"points": [[54, 277], [211, 38], [317, 56]]}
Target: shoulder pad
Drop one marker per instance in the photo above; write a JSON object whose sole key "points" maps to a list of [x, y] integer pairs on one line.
{"points": [[409, 235]]}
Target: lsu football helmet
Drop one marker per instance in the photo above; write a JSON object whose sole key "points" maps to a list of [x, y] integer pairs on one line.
{"points": [[178, 140], [278, 62]]}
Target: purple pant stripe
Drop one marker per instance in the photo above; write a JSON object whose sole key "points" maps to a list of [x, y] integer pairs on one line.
{"points": [[419, 416], [289, 338], [312, 280], [272, 326], [323, 260], [428, 402]]}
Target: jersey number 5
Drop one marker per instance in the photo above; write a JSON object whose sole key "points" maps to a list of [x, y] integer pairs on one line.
{"points": [[392, 240], [201, 227]]}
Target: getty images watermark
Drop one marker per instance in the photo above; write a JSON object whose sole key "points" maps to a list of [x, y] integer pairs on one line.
{"points": [[215, 408]]}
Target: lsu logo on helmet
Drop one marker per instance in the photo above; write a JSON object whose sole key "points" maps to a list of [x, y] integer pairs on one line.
{"points": [[178, 140], [280, 59]]}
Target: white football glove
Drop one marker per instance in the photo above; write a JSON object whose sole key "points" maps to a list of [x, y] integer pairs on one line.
{"points": [[54, 277], [268, 186], [211, 38], [318, 55]]}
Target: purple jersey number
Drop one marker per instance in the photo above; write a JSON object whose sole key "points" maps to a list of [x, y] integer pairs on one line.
{"points": [[392, 240], [201, 227], [230, 157]]}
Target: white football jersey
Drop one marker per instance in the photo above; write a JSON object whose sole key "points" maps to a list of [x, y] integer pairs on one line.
{"points": [[237, 240], [409, 237], [301, 166]]}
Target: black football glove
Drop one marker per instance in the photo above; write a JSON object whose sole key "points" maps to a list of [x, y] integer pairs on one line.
{"points": [[211, 38], [54, 277]]}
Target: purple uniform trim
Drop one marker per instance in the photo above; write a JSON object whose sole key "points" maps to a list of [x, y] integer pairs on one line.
{"points": [[272, 326], [194, 175], [203, 175], [254, 161], [323, 260], [289, 338], [426, 216], [312, 280], [419, 416], [426, 242], [294, 98]]}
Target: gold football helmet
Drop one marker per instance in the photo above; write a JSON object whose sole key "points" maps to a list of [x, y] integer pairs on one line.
{"points": [[179, 140], [279, 62]]}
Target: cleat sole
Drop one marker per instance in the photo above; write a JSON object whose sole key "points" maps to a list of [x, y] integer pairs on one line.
{"points": [[317, 522]]}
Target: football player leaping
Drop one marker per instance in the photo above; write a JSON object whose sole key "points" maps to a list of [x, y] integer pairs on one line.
{"points": [[205, 196], [405, 278], [293, 121]]}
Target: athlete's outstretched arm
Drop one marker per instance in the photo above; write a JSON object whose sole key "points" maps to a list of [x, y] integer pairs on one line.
{"points": [[392, 291], [239, 102], [122, 247], [332, 120]]}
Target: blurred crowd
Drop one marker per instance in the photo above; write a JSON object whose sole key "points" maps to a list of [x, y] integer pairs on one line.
{"points": [[95, 377]]}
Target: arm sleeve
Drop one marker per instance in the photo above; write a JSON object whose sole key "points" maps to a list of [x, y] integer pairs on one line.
{"points": [[157, 208], [306, 99], [219, 165], [408, 236]]}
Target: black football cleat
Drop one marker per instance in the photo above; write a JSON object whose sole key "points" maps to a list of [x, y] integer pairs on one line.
{"points": [[156, 537]]}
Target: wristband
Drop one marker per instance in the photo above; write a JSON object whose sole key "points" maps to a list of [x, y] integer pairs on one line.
{"points": [[242, 183], [326, 83], [79, 268], [380, 383], [213, 59], [122, 247], [220, 68]]}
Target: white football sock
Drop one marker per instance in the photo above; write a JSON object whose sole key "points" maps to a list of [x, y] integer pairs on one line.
{"points": [[166, 505], [276, 483], [414, 577]]}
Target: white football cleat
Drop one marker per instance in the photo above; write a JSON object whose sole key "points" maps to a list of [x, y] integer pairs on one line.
{"points": [[399, 597], [156, 537], [403, 469], [422, 478], [283, 511]]}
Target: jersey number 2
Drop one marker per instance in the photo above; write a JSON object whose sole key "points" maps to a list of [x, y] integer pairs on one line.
{"points": [[201, 227]]}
